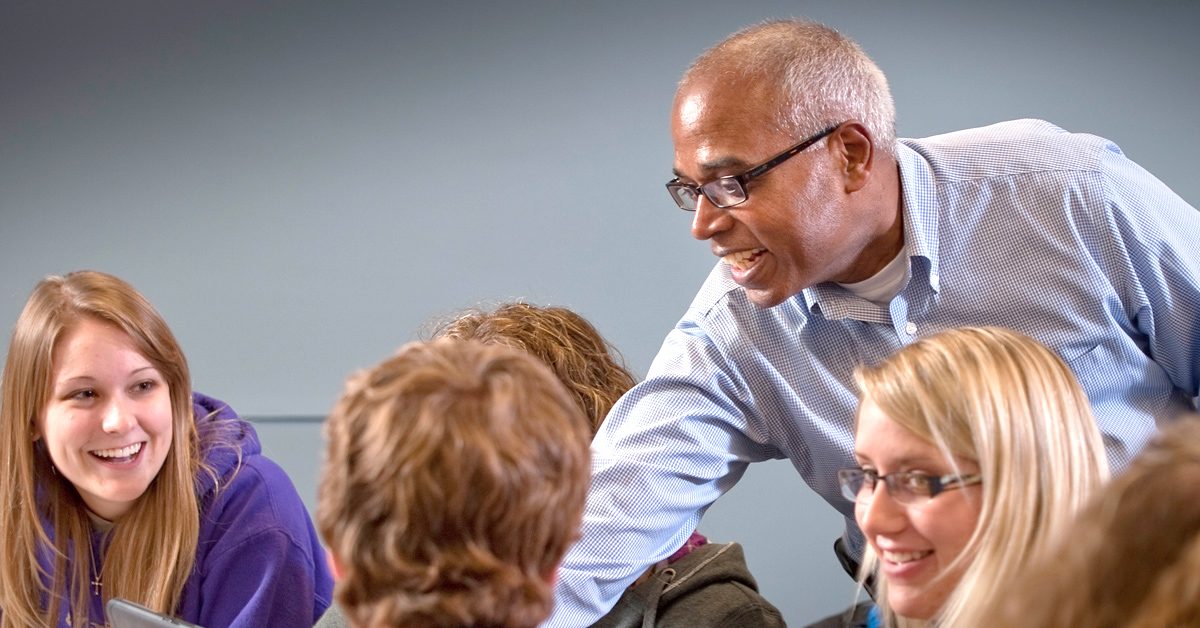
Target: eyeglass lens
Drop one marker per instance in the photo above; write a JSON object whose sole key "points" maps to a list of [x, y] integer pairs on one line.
{"points": [[722, 192]]}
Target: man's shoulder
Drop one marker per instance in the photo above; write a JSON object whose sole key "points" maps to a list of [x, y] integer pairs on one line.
{"points": [[719, 291], [721, 308], [1010, 148]]}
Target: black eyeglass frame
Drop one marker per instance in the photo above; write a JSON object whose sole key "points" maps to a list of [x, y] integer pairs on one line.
{"points": [[936, 484], [674, 186]]}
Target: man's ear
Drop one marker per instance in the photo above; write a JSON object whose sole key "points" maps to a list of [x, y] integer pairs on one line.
{"points": [[858, 153]]}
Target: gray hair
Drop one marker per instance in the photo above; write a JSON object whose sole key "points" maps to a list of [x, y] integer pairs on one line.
{"points": [[824, 78]]}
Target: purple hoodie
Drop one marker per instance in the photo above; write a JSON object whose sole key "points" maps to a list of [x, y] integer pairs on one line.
{"points": [[258, 560]]}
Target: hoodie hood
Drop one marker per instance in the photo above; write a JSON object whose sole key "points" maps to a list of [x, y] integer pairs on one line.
{"points": [[225, 440]]}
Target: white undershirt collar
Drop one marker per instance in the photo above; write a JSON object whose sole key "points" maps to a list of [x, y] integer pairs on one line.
{"points": [[885, 284]]}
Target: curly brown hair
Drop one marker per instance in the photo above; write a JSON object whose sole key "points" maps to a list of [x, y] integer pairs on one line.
{"points": [[454, 481], [588, 365]]}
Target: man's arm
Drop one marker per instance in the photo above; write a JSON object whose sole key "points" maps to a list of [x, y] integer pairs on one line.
{"points": [[669, 449], [1155, 250]]}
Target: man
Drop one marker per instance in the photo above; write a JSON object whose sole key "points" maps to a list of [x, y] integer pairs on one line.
{"points": [[454, 479], [838, 245]]}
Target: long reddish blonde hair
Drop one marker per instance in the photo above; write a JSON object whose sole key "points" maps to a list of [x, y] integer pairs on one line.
{"points": [[163, 523]]}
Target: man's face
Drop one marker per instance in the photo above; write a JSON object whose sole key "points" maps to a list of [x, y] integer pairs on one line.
{"points": [[796, 227]]}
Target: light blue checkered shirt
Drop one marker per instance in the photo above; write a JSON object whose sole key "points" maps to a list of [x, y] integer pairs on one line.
{"points": [[1019, 225]]}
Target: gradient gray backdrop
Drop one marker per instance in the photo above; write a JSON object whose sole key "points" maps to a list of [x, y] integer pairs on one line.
{"points": [[301, 186]]}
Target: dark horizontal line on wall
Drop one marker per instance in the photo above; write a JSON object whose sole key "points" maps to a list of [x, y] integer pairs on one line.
{"points": [[286, 418]]}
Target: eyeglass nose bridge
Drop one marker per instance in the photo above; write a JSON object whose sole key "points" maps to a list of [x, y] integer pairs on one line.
{"points": [[897, 492], [900, 495]]}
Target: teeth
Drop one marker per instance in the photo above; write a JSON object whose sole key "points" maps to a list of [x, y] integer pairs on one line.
{"points": [[742, 259], [123, 452], [903, 557]]}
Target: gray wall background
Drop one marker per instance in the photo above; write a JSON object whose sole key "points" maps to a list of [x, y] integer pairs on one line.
{"points": [[300, 187]]}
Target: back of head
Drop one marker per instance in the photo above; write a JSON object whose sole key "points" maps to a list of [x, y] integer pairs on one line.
{"points": [[587, 364], [454, 481], [1000, 398], [823, 77], [1132, 558]]}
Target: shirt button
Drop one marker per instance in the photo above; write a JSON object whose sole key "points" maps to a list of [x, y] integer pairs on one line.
{"points": [[910, 328]]}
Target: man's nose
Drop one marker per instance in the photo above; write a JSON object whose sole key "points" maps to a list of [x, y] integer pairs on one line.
{"points": [[708, 219]]}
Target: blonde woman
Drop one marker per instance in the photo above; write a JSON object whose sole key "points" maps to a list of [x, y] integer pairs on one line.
{"points": [[119, 482], [974, 445]]}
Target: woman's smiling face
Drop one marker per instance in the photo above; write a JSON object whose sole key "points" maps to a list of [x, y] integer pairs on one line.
{"points": [[107, 425], [915, 543]]}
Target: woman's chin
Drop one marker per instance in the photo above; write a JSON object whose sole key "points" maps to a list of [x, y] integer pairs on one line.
{"points": [[914, 605]]}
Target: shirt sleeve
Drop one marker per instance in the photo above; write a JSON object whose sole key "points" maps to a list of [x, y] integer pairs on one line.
{"points": [[669, 448], [1154, 252]]}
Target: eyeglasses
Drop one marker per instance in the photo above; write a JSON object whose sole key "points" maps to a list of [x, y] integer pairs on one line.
{"points": [[907, 487], [731, 190]]}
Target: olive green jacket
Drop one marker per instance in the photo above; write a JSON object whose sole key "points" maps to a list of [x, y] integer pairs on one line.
{"points": [[710, 586]]}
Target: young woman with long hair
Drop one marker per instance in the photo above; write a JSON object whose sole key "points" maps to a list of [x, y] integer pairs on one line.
{"points": [[975, 446], [120, 482]]}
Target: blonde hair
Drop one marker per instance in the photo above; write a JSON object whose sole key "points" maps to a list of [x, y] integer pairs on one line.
{"points": [[823, 77], [163, 523], [587, 364], [1000, 398], [1132, 558], [454, 481]]}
